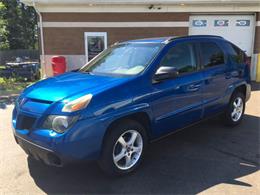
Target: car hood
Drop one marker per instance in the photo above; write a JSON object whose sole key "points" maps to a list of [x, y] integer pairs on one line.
{"points": [[70, 84]]}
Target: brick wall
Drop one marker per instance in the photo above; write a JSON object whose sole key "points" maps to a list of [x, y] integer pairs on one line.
{"points": [[70, 41], [114, 17]]}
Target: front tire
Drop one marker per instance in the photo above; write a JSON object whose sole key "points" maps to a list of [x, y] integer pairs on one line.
{"points": [[123, 148], [235, 111]]}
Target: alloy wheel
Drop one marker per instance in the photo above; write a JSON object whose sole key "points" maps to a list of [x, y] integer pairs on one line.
{"points": [[128, 149], [237, 111]]}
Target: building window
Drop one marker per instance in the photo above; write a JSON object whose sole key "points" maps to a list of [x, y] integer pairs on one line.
{"points": [[95, 42]]}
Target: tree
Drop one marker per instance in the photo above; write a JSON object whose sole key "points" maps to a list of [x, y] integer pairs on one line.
{"points": [[4, 44], [19, 25]]}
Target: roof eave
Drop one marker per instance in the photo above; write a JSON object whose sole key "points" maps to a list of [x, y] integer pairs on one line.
{"points": [[141, 2]]}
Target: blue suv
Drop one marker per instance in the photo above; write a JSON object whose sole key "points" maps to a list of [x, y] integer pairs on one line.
{"points": [[129, 95]]}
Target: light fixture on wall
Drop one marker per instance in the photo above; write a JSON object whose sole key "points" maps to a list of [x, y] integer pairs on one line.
{"points": [[154, 7], [151, 6]]}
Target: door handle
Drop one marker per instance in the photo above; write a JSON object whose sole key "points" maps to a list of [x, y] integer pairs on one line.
{"points": [[233, 74], [193, 87]]}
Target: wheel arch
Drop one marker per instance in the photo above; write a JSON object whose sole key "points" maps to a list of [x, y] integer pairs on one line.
{"points": [[242, 88], [141, 117]]}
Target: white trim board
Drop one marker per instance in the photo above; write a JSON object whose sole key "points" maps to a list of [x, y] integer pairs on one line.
{"points": [[114, 24], [117, 24], [134, 8], [139, 1]]}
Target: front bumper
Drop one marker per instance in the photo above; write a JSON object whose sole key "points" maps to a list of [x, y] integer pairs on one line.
{"points": [[39, 153], [82, 142]]}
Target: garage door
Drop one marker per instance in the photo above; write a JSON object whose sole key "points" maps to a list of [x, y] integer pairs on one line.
{"points": [[238, 29]]}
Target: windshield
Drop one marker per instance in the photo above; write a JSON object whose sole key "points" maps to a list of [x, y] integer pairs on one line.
{"points": [[123, 59]]}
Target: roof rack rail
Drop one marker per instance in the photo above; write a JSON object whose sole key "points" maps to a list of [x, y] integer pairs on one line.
{"points": [[217, 36], [179, 37]]}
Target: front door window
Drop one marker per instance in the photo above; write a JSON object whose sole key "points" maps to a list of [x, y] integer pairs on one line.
{"points": [[182, 57]]}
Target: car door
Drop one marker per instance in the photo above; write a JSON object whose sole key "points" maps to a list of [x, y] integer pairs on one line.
{"points": [[178, 102], [215, 72]]}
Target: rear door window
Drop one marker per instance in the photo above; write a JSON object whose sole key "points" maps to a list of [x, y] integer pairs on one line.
{"points": [[235, 54], [211, 54]]}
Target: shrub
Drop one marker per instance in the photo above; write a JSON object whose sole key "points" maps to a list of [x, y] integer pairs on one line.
{"points": [[12, 85]]}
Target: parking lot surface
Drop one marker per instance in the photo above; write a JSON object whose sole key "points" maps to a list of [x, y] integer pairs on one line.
{"points": [[207, 158]]}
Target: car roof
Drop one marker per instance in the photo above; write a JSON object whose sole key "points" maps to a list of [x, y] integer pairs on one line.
{"points": [[150, 40], [171, 38]]}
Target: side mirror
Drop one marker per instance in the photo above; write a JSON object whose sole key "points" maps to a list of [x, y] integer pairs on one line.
{"points": [[165, 72]]}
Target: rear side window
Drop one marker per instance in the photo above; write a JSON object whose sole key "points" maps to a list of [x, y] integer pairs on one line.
{"points": [[212, 55], [235, 54], [182, 57]]}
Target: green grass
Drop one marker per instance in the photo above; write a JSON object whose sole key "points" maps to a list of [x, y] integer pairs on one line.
{"points": [[12, 86]]}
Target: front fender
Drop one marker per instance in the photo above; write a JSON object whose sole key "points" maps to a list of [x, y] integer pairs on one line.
{"points": [[128, 110]]}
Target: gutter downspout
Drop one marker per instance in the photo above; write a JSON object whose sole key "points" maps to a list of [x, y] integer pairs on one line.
{"points": [[43, 72]]}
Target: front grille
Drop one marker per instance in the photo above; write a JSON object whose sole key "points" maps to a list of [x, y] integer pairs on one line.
{"points": [[25, 122]]}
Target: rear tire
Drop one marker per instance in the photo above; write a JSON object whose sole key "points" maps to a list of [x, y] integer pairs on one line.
{"points": [[235, 111], [123, 148]]}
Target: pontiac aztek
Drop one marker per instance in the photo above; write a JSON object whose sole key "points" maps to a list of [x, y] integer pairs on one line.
{"points": [[129, 95]]}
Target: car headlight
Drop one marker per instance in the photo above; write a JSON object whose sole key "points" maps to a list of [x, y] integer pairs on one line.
{"points": [[77, 104], [59, 123]]}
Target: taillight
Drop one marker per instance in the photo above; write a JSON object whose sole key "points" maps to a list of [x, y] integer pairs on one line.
{"points": [[247, 61]]}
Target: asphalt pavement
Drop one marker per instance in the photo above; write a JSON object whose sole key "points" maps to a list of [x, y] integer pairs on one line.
{"points": [[208, 158]]}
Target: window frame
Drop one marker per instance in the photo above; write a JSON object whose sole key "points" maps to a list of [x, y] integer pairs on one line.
{"points": [[202, 65], [195, 52], [97, 34]]}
